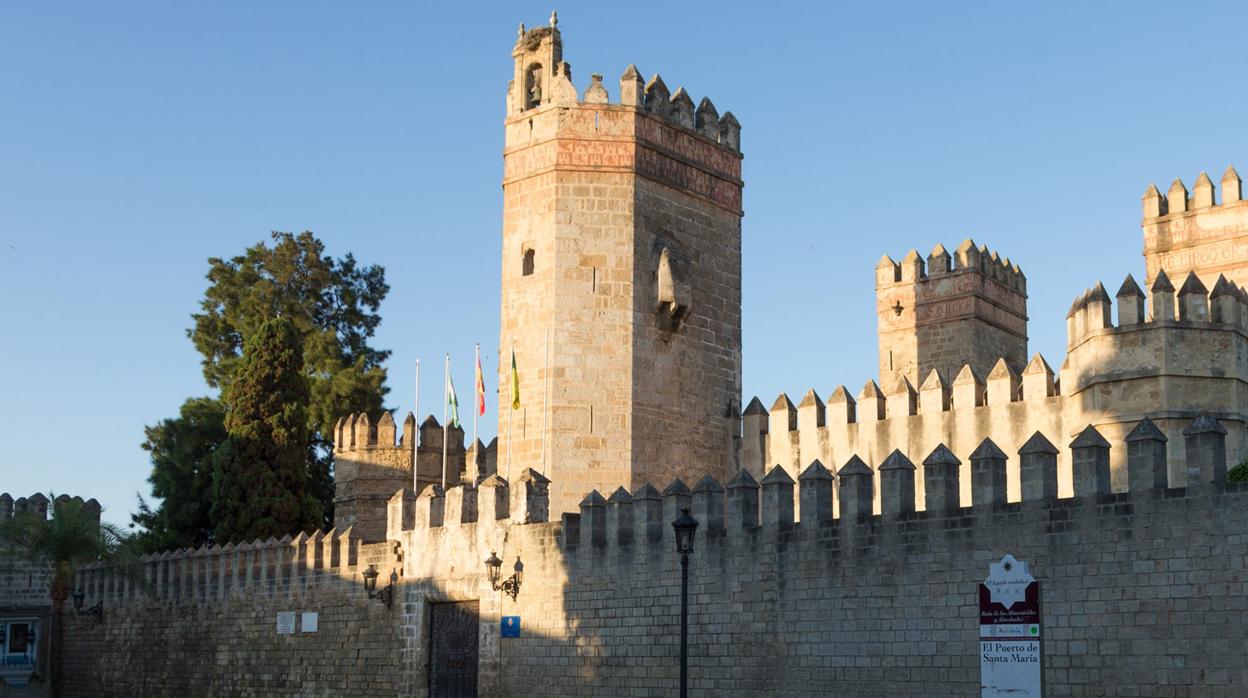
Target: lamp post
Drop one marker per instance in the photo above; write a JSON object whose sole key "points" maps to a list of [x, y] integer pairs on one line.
{"points": [[96, 611], [509, 586], [386, 595], [685, 527]]}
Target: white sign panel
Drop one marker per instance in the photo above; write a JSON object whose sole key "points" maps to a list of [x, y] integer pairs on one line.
{"points": [[309, 621], [1009, 632], [286, 623]]}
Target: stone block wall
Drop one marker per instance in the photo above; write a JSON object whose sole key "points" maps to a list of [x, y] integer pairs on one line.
{"points": [[204, 623], [1151, 360], [1139, 588]]}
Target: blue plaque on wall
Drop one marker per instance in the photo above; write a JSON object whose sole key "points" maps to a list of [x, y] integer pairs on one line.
{"points": [[511, 626]]}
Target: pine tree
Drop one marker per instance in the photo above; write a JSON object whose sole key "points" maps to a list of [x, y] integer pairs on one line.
{"points": [[260, 473]]}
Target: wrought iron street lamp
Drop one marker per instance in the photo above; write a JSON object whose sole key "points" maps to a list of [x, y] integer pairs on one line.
{"points": [[685, 527], [494, 570], [386, 595], [96, 611]]}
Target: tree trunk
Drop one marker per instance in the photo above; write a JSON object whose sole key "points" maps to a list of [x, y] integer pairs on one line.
{"points": [[56, 638]]}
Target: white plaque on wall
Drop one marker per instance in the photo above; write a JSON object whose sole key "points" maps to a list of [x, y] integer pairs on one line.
{"points": [[309, 621], [286, 623]]}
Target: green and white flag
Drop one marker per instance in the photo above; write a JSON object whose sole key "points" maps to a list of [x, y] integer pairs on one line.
{"points": [[452, 401]]}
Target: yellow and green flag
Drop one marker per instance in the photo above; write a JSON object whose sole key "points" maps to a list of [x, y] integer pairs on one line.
{"points": [[452, 401], [515, 383]]}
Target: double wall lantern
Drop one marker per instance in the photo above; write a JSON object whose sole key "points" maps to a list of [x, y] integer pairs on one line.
{"points": [[509, 586], [386, 595], [96, 611]]}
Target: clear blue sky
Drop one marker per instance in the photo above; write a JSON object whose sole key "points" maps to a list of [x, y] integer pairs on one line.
{"points": [[138, 139]]}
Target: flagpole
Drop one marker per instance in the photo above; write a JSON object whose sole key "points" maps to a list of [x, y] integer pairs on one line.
{"points": [[545, 398], [511, 407], [416, 436], [446, 428], [476, 409]]}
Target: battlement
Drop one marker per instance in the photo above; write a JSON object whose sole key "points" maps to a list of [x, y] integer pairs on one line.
{"points": [[1178, 201], [543, 79], [373, 459], [39, 506], [1092, 312], [967, 258], [1196, 232], [1112, 377], [474, 517], [950, 309], [277, 568]]}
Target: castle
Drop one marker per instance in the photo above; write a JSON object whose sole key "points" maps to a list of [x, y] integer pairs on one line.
{"points": [[622, 258], [841, 539]]}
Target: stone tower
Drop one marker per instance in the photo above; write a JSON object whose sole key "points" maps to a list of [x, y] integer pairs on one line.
{"points": [[1195, 233], [965, 308], [622, 244]]}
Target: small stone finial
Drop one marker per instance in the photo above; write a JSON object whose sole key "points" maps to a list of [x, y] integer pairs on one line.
{"points": [[706, 119], [1176, 197], [1154, 203], [1037, 466], [857, 489], [988, 475], [1193, 299], [520, 34], [730, 131], [1205, 444], [1004, 384], [815, 490], [554, 19], [1090, 463], [896, 484], [1129, 288], [1202, 191], [1162, 282], [940, 480], [596, 93], [1038, 380], [1146, 458], [1232, 186]]}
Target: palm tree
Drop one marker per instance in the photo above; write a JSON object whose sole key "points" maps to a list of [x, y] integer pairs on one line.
{"points": [[71, 538]]}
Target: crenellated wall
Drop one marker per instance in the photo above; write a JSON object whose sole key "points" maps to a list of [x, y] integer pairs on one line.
{"points": [[966, 308], [1154, 361], [1194, 232], [827, 598], [1135, 583], [372, 460], [203, 622]]}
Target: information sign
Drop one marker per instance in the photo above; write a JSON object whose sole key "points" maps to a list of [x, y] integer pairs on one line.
{"points": [[511, 626], [1009, 632]]}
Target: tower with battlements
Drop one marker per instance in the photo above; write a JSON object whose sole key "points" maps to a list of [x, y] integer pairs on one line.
{"points": [[968, 308], [1194, 232], [621, 278]]}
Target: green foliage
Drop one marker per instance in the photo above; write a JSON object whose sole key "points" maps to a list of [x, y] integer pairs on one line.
{"points": [[332, 304], [181, 451], [1238, 474], [73, 537], [261, 471]]}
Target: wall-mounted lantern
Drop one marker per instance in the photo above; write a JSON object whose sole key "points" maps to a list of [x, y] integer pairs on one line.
{"points": [[96, 611], [386, 595], [509, 586]]}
